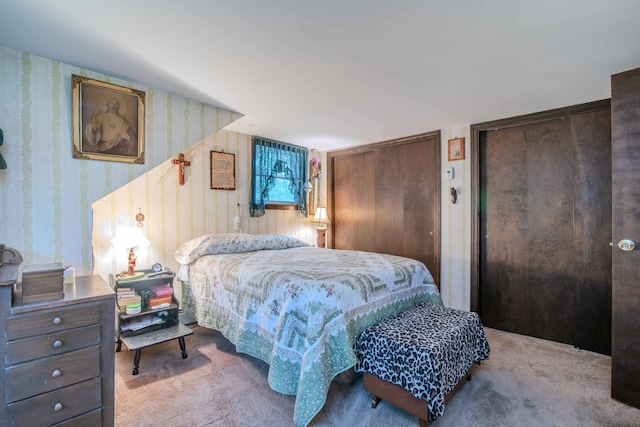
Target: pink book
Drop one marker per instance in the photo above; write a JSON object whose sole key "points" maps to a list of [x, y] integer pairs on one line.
{"points": [[161, 290]]}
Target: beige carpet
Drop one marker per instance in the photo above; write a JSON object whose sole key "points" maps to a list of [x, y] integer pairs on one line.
{"points": [[526, 382]]}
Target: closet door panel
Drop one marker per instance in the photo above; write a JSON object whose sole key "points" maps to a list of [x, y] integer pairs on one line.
{"points": [[550, 229], [504, 267], [421, 204], [389, 228], [354, 203], [592, 230], [385, 197], [406, 221]]}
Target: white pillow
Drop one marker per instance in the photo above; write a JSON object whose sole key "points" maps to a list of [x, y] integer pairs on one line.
{"points": [[229, 243]]}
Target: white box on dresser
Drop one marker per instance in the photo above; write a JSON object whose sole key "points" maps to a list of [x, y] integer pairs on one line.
{"points": [[58, 361]]}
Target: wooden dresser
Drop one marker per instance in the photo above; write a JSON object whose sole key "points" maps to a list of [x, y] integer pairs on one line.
{"points": [[58, 361]]}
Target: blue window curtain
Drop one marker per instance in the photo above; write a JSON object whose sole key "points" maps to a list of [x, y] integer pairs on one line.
{"points": [[270, 158]]}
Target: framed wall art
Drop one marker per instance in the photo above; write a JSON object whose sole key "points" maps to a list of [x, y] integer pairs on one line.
{"points": [[108, 121], [456, 149], [223, 171]]}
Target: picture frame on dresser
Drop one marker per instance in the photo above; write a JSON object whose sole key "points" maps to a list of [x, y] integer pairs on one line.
{"points": [[108, 121]]}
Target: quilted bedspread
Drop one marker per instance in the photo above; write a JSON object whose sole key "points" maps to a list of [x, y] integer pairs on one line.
{"points": [[300, 309]]}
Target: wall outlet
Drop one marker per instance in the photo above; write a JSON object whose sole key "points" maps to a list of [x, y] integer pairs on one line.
{"points": [[237, 225]]}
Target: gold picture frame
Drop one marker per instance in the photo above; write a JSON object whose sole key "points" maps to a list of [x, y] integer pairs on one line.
{"points": [[223, 171], [456, 149], [108, 121]]}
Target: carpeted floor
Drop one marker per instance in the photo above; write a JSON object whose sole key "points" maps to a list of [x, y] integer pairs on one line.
{"points": [[525, 382]]}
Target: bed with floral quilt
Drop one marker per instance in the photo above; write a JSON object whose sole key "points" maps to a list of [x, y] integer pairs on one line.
{"points": [[296, 307]]}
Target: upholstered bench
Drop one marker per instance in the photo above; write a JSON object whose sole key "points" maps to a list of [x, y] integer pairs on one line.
{"points": [[417, 358]]}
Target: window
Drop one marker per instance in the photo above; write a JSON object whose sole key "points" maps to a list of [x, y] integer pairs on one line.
{"points": [[281, 191], [279, 175]]}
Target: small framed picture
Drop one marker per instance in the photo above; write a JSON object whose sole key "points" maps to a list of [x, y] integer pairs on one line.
{"points": [[223, 171], [108, 121], [456, 149]]}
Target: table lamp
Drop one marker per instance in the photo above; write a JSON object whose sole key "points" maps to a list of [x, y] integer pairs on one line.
{"points": [[130, 238], [322, 218]]}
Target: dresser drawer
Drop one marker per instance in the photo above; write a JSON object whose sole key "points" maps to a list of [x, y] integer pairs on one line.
{"points": [[44, 375], [92, 419], [56, 406], [47, 321], [51, 344]]}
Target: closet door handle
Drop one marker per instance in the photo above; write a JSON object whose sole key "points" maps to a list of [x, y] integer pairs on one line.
{"points": [[626, 245]]}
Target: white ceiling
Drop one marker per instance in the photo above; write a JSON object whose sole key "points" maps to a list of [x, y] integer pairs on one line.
{"points": [[338, 73]]}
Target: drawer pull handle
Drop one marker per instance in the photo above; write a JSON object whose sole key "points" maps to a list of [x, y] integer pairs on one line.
{"points": [[57, 407], [57, 344], [56, 373], [57, 321]]}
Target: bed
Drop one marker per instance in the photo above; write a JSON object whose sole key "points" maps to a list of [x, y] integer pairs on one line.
{"points": [[296, 307]]}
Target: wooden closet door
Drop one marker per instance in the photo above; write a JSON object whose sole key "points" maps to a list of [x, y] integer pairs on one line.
{"points": [[592, 230], [625, 354], [353, 215], [385, 198], [527, 230], [544, 229], [406, 220]]}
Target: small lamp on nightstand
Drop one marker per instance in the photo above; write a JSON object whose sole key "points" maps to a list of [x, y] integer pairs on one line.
{"points": [[129, 238], [322, 217]]}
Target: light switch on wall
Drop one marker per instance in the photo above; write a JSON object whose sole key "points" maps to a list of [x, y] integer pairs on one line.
{"points": [[449, 173]]}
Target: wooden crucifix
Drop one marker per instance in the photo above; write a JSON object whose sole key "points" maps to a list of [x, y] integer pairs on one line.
{"points": [[181, 162]]}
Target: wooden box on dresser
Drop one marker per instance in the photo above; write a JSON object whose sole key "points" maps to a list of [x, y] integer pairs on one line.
{"points": [[58, 362]]}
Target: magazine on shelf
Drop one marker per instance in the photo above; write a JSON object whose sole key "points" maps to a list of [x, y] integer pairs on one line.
{"points": [[141, 323]]}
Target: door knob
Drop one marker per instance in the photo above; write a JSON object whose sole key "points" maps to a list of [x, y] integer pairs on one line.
{"points": [[626, 245]]}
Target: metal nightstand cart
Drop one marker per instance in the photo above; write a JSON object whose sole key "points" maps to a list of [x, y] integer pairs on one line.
{"points": [[154, 322]]}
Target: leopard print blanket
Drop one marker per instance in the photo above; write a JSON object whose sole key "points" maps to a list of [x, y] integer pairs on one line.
{"points": [[426, 350]]}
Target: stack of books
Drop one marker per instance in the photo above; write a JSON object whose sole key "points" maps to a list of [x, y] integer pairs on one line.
{"points": [[126, 296]]}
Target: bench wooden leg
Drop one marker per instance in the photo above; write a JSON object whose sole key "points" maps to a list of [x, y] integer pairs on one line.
{"points": [[374, 401]]}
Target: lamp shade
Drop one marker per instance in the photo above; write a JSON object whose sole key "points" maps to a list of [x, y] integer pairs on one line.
{"points": [[321, 216], [129, 237]]}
